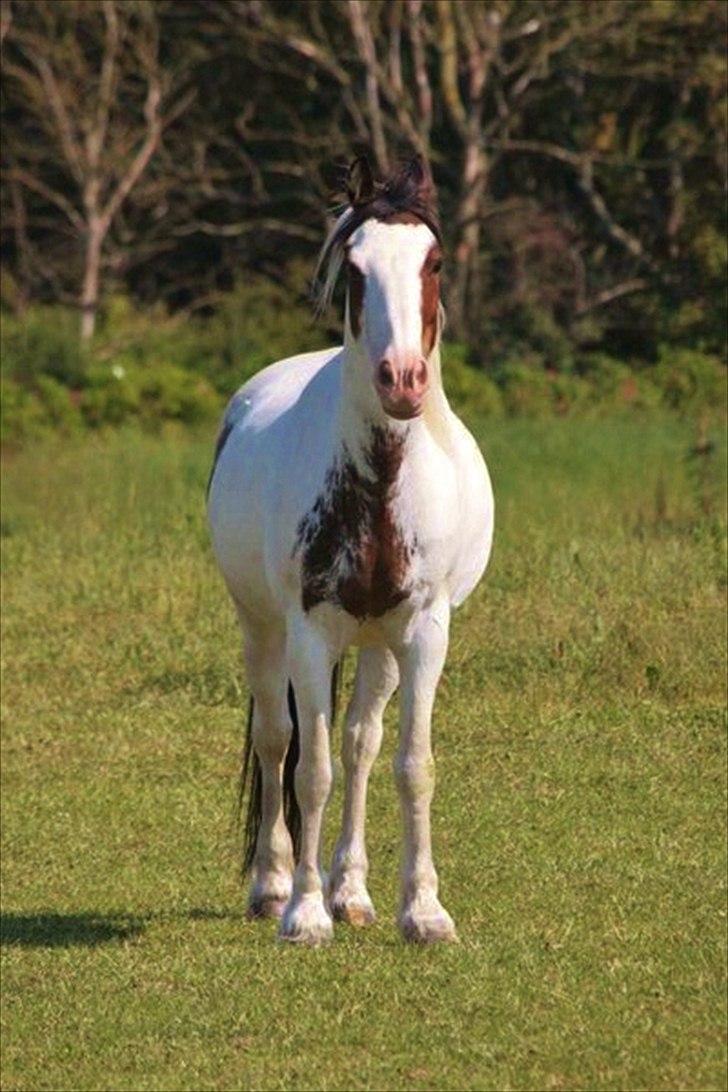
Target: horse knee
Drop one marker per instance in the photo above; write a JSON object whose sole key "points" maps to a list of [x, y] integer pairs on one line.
{"points": [[271, 742], [415, 776], [271, 725], [313, 782], [362, 741]]}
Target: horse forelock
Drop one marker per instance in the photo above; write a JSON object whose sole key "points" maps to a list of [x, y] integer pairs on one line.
{"points": [[408, 196]]}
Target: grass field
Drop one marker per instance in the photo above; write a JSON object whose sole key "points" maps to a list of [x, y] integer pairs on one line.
{"points": [[579, 818]]}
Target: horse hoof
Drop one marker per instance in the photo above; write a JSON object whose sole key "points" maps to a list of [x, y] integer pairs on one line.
{"points": [[262, 908], [358, 913], [433, 929], [306, 923]]}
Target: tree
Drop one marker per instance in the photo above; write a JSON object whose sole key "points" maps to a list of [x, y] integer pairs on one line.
{"points": [[579, 150], [93, 99]]}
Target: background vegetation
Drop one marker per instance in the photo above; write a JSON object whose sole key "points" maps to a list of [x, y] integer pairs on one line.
{"points": [[169, 170]]}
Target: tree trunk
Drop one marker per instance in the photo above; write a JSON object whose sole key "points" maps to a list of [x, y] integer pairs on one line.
{"points": [[464, 285], [91, 281]]}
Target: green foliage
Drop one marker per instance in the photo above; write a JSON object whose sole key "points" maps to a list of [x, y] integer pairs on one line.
{"points": [[469, 389], [578, 819], [21, 413], [255, 323], [531, 391], [155, 393], [42, 340], [110, 395], [615, 386], [143, 364], [155, 367], [690, 380], [530, 330]]}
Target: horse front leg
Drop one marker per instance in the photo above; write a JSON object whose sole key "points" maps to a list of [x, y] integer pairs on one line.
{"points": [[376, 679], [421, 658], [306, 918]]}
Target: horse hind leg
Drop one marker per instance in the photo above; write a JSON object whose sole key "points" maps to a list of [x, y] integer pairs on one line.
{"points": [[306, 919], [270, 852], [376, 680]]}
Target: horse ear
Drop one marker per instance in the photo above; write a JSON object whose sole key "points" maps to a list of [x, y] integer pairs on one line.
{"points": [[360, 181]]}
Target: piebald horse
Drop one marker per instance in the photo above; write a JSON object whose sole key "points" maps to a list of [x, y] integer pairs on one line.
{"points": [[350, 506]]}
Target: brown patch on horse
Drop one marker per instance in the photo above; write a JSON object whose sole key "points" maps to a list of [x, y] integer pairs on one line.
{"points": [[356, 297], [358, 916], [430, 277], [354, 554]]}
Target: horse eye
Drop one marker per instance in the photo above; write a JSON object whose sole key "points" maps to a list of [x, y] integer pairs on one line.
{"points": [[437, 265]]}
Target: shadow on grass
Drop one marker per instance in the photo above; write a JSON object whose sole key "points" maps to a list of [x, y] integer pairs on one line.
{"points": [[47, 930], [88, 930]]}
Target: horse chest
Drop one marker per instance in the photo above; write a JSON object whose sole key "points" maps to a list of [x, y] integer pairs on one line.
{"points": [[354, 551]]}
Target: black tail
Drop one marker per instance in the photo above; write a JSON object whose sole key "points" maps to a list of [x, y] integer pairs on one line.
{"points": [[250, 783], [290, 804]]}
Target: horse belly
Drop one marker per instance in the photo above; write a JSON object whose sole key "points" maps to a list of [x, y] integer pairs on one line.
{"points": [[476, 511], [237, 527]]}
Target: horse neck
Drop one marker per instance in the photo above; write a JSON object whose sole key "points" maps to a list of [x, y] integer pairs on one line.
{"points": [[361, 413]]}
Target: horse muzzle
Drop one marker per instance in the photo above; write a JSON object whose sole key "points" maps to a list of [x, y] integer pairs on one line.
{"points": [[402, 390]]}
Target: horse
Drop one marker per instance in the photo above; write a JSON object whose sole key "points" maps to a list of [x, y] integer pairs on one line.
{"points": [[349, 506]]}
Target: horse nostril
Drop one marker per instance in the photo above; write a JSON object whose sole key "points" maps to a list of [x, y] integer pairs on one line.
{"points": [[416, 378], [385, 374], [421, 374]]}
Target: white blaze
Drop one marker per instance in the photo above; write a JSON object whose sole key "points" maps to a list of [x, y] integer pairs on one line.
{"points": [[391, 257]]}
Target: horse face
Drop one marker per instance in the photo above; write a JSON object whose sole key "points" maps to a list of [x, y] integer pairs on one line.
{"points": [[392, 307]]}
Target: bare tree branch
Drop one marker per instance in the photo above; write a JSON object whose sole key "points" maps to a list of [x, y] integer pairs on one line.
{"points": [[67, 138], [449, 66], [96, 138], [266, 223], [25, 178], [582, 164], [362, 33], [6, 18], [609, 295], [422, 81]]}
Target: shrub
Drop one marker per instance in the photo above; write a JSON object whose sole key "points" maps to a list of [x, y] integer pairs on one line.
{"points": [[614, 385], [530, 390], [468, 388], [60, 405], [27, 413], [167, 392], [155, 367], [252, 325], [155, 392], [42, 341], [21, 413], [688, 379]]}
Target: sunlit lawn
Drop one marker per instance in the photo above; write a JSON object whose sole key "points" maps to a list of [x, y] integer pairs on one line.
{"points": [[579, 819]]}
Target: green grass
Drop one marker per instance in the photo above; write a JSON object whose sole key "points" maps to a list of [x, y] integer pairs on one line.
{"points": [[578, 824]]}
